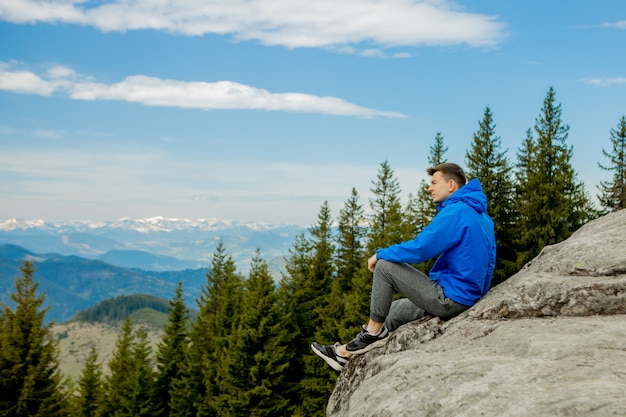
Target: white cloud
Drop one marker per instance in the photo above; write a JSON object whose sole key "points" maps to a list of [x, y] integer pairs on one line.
{"points": [[617, 25], [605, 82], [289, 23], [26, 82], [31, 11], [152, 91], [48, 134], [59, 71]]}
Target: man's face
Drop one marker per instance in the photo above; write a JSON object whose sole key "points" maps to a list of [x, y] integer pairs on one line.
{"points": [[440, 188]]}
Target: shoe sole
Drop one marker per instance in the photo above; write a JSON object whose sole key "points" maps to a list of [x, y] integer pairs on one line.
{"points": [[336, 366], [376, 344]]}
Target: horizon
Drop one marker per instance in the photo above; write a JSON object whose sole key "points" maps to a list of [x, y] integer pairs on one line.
{"points": [[261, 112], [8, 225]]}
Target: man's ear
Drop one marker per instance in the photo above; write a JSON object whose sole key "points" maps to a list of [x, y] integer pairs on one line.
{"points": [[452, 186]]}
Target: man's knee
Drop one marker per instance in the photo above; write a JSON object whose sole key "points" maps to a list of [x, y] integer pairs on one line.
{"points": [[384, 267]]}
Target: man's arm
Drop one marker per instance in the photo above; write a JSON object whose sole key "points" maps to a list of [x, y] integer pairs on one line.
{"points": [[371, 263], [443, 232]]}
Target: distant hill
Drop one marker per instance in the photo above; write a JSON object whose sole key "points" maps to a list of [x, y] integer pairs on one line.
{"points": [[100, 326], [119, 308], [145, 260], [14, 253], [73, 283]]}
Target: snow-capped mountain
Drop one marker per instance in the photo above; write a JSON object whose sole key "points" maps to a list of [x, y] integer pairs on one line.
{"points": [[191, 241], [152, 224]]}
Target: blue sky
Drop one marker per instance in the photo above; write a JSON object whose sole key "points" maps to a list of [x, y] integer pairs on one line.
{"points": [[261, 110]]}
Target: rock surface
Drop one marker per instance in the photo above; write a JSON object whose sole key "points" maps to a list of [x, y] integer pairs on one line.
{"points": [[549, 341]]}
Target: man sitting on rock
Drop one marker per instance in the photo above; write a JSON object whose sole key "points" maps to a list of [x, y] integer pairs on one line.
{"points": [[461, 235]]}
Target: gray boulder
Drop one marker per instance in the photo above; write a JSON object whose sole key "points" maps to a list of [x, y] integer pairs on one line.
{"points": [[549, 341]]}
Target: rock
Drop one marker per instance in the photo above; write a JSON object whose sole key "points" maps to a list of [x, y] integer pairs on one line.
{"points": [[549, 341]]}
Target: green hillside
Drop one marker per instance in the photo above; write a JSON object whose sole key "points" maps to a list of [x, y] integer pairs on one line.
{"points": [[143, 308]]}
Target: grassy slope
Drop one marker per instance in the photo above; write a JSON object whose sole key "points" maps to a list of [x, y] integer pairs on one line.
{"points": [[74, 340]]}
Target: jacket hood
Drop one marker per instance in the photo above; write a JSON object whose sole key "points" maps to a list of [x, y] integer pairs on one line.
{"points": [[471, 194]]}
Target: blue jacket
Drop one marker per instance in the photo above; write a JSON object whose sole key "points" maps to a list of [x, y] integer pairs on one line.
{"points": [[462, 234]]}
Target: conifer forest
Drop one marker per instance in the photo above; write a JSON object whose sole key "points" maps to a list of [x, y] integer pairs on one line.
{"points": [[246, 350]]}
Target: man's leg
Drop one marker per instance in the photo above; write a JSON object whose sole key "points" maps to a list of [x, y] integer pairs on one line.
{"points": [[416, 286], [423, 295], [388, 276], [402, 311]]}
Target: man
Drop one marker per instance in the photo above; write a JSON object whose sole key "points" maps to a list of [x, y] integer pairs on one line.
{"points": [[461, 235]]}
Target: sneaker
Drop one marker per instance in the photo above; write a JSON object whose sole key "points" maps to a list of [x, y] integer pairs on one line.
{"points": [[365, 341], [330, 355]]}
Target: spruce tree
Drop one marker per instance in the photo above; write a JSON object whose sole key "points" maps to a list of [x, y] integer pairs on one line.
{"points": [[185, 390], [486, 161], [118, 385], [412, 217], [318, 381], [424, 207], [30, 380], [386, 218], [552, 202], [350, 241], [130, 385], [90, 387], [386, 227], [171, 352], [612, 195], [218, 314], [437, 151], [323, 273], [258, 355], [142, 378], [294, 294], [352, 299]]}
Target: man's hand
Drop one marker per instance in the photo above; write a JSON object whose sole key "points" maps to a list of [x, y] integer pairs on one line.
{"points": [[371, 263]]}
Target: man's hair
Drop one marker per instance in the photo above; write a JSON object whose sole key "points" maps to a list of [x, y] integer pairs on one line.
{"points": [[450, 171]]}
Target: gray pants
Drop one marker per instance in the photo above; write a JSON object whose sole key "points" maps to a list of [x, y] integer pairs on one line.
{"points": [[423, 296]]}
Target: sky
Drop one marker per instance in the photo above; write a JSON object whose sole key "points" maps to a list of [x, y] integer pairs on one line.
{"points": [[263, 110]]}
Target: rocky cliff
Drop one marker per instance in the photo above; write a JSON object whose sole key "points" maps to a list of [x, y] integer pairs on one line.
{"points": [[550, 341]]}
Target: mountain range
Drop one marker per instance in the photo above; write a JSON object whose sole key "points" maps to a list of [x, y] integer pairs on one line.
{"points": [[78, 264], [73, 283], [153, 244]]}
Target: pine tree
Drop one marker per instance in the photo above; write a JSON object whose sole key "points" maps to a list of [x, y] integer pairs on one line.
{"points": [[437, 151], [425, 207], [214, 325], [130, 385], [386, 218], [90, 387], [352, 300], [612, 195], [30, 380], [171, 352], [552, 202], [386, 227], [318, 382], [184, 392], [118, 385], [258, 355], [293, 298], [142, 378], [323, 273], [489, 164], [350, 241]]}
